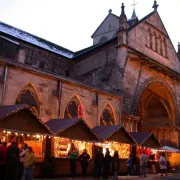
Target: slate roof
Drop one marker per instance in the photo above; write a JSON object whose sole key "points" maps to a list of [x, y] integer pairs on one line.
{"points": [[5, 111], [10, 109], [59, 125], [104, 132], [142, 137], [34, 40]]}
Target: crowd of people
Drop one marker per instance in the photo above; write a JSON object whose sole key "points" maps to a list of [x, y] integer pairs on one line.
{"points": [[109, 165], [106, 166], [15, 162], [132, 164], [18, 163]]}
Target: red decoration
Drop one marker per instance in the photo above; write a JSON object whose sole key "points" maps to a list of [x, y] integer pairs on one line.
{"points": [[80, 111]]}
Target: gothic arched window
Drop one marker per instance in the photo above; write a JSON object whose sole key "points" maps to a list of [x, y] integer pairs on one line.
{"points": [[29, 96], [71, 110], [156, 42], [165, 49], [103, 39], [107, 118]]}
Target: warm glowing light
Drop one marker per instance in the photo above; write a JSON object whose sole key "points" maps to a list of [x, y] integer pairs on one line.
{"points": [[22, 134], [4, 131], [68, 148], [28, 135], [38, 136], [16, 134], [8, 132]]}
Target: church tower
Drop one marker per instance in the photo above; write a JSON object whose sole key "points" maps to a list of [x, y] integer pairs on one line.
{"points": [[122, 33]]}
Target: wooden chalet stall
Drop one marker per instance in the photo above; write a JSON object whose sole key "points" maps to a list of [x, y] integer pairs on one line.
{"points": [[115, 138], [147, 142], [172, 155], [66, 131], [20, 123]]}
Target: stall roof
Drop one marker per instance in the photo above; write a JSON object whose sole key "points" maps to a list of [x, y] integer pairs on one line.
{"points": [[146, 139], [167, 148], [21, 124], [113, 133], [74, 128]]}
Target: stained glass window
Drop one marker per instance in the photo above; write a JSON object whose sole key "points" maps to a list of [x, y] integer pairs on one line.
{"points": [[107, 118], [28, 96], [72, 109]]}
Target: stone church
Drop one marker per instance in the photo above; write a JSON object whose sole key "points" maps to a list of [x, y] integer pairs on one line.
{"points": [[129, 76]]}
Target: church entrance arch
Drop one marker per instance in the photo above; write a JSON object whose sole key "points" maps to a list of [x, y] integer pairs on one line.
{"points": [[156, 105]]}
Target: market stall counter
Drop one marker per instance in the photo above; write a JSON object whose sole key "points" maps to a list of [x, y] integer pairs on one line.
{"points": [[67, 131], [20, 123], [147, 142], [115, 138]]}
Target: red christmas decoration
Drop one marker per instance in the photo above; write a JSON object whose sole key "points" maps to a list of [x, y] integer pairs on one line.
{"points": [[80, 111]]}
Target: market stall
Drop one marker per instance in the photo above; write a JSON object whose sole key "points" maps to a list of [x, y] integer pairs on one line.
{"points": [[115, 138], [66, 131], [147, 142], [172, 155], [18, 122]]}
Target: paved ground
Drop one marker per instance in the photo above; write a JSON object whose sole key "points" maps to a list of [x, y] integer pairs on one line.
{"points": [[149, 177]]}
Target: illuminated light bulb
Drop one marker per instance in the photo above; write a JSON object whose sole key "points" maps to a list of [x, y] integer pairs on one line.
{"points": [[16, 134], [4, 131], [38, 136], [22, 134], [28, 135], [8, 132]]}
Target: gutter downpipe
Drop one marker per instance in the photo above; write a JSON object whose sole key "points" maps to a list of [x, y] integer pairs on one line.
{"points": [[4, 84], [59, 97]]}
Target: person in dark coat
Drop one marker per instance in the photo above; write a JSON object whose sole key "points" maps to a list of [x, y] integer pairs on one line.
{"points": [[23, 151], [129, 165], [98, 162], [106, 164], [73, 155], [3, 153], [12, 160], [84, 158], [115, 165], [134, 164]]}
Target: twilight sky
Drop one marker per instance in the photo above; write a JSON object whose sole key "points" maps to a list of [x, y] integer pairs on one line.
{"points": [[70, 23]]}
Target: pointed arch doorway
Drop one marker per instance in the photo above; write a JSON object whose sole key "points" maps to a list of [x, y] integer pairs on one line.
{"points": [[156, 107]]}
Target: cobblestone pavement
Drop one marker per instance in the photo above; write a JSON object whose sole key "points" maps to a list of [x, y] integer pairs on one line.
{"points": [[149, 177]]}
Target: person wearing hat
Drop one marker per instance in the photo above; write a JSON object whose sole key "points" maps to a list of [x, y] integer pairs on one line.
{"points": [[12, 159]]}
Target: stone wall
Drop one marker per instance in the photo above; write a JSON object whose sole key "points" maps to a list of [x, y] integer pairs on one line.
{"points": [[44, 85], [139, 38], [107, 29], [96, 68]]}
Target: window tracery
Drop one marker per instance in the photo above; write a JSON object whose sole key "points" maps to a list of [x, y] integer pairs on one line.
{"points": [[107, 118], [156, 42], [29, 96], [71, 110]]}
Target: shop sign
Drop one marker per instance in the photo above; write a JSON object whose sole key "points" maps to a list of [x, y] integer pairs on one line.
{"points": [[80, 111]]}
